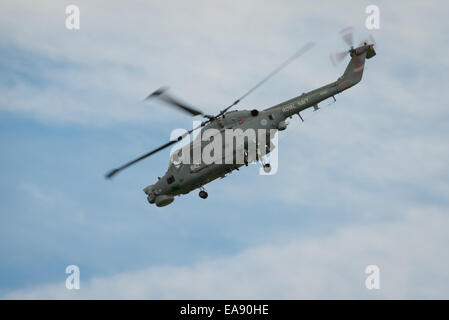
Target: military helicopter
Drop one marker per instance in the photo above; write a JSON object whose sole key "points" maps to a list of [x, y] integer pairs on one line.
{"points": [[182, 176]]}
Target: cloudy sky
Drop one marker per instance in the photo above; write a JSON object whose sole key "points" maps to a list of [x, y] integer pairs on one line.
{"points": [[364, 181]]}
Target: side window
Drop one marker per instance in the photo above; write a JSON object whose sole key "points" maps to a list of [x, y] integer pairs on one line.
{"points": [[195, 167], [170, 179], [271, 117]]}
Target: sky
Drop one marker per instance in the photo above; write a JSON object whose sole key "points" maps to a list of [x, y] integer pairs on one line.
{"points": [[363, 181]]}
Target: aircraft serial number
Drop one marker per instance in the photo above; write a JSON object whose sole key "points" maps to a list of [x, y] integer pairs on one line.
{"points": [[294, 105], [251, 309]]}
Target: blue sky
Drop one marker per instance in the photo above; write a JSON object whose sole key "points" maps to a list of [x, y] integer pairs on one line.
{"points": [[363, 181]]}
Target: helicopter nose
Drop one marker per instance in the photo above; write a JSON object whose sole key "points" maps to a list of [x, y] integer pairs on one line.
{"points": [[148, 190]]}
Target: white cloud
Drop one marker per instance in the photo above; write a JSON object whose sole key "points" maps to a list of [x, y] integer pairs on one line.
{"points": [[210, 53], [410, 251], [34, 191]]}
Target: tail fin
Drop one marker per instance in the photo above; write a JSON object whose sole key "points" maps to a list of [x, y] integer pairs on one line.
{"points": [[354, 70]]}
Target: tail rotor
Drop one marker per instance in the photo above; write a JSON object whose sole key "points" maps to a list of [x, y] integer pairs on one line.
{"points": [[347, 36], [338, 57], [369, 39]]}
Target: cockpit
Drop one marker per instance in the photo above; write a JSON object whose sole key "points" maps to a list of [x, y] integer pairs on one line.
{"points": [[175, 161]]}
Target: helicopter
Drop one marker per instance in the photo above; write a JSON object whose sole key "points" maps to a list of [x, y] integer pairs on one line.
{"points": [[184, 176]]}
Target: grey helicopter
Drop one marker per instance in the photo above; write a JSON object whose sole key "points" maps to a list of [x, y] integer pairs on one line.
{"points": [[183, 175]]}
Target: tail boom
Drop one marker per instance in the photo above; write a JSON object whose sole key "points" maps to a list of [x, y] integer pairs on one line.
{"points": [[351, 76]]}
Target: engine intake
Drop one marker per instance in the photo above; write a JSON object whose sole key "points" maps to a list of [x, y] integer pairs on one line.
{"points": [[282, 126]]}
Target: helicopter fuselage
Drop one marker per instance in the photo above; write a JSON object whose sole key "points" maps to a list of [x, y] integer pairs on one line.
{"points": [[181, 178]]}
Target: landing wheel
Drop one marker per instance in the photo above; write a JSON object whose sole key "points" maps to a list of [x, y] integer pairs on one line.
{"points": [[203, 194], [267, 168]]}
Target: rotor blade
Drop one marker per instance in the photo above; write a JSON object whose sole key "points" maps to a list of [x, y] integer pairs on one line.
{"points": [[337, 57], [368, 40], [346, 34], [162, 95], [113, 172], [297, 54]]}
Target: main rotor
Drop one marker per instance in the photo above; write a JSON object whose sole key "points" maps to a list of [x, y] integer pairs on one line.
{"points": [[162, 95]]}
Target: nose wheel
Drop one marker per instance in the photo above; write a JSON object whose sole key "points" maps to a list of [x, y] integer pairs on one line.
{"points": [[267, 168], [203, 194], [265, 165]]}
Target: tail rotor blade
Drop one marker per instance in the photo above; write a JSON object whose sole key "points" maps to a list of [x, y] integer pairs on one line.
{"points": [[337, 57], [347, 35]]}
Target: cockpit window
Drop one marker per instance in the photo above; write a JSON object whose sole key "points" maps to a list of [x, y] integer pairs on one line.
{"points": [[176, 164], [176, 159], [170, 179]]}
